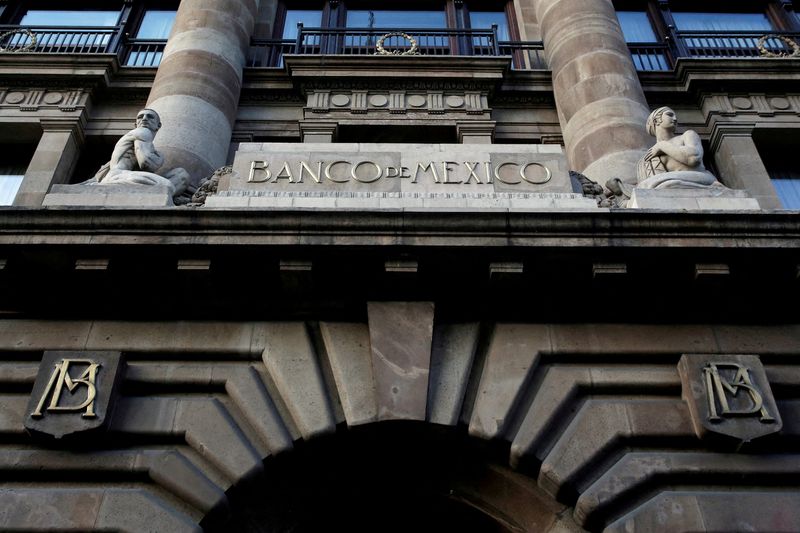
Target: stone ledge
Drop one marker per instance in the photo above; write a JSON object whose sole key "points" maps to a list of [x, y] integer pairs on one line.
{"points": [[693, 200], [94, 195]]}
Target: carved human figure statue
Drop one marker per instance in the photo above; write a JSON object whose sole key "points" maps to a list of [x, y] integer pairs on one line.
{"points": [[135, 159], [675, 161]]}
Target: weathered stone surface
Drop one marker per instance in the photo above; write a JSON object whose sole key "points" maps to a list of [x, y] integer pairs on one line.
{"points": [[348, 348], [400, 339], [773, 511], [204, 423], [512, 356], [601, 426], [198, 105], [728, 394], [82, 509], [693, 199], [74, 392], [562, 389], [132, 511], [638, 470], [740, 166], [292, 364], [94, 195], [397, 176], [53, 162], [453, 353], [600, 101]]}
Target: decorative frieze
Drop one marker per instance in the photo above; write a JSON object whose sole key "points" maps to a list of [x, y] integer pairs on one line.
{"points": [[751, 104], [398, 102], [34, 99]]}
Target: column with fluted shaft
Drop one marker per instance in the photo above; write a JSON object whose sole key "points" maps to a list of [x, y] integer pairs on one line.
{"points": [[197, 87], [601, 105]]}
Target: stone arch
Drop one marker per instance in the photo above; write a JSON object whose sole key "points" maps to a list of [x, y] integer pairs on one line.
{"points": [[593, 413]]}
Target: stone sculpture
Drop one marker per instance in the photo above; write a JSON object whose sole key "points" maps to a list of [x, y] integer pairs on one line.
{"points": [[675, 161], [135, 159]]}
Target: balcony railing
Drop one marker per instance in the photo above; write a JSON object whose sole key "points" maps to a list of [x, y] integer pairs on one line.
{"points": [[142, 53], [368, 41], [526, 55], [59, 39], [713, 45]]}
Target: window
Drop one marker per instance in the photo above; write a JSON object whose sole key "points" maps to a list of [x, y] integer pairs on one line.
{"points": [[156, 24], [483, 20], [691, 21], [636, 27], [777, 150], [347, 26], [73, 19], [67, 31], [723, 34], [647, 51], [13, 164], [308, 17], [358, 18], [147, 47]]}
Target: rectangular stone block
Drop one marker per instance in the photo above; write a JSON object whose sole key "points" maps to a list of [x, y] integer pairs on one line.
{"points": [[400, 338], [693, 199], [108, 196]]}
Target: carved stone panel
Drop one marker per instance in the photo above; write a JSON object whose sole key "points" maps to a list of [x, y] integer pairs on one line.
{"points": [[729, 395], [74, 392], [344, 102], [33, 99]]}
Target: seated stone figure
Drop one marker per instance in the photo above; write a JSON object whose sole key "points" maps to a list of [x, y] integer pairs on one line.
{"points": [[675, 161], [135, 159]]}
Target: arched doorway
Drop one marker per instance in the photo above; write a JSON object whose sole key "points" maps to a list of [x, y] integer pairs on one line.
{"points": [[389, 477]]}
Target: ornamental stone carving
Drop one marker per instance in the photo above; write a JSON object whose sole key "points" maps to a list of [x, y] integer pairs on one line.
{"points": [[728, 395], [74, 392], [135, 160], [675, 161]]}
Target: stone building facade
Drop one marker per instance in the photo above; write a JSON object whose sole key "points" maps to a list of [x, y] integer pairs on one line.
{"points": [[379, 300]]}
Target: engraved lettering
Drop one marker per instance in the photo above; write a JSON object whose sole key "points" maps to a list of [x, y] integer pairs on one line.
{"points": [[392, 172], [430, 167], [260, 166], [378, 173], [500, 178], [523, 174], [471, 170], [718, 388], [487, 170], [305, 168], [61, 377], [446, 170], [328, 174], [285, 173]]}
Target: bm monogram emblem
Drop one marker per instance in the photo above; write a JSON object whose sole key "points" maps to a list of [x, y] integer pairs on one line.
{"points": [[74, 392], [61, 379], [718, 388], [728, 395]]}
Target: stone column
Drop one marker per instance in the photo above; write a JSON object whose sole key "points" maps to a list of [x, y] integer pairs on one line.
{"points": [[53, 161], [740, 165], [601, 105], [197, 87]]}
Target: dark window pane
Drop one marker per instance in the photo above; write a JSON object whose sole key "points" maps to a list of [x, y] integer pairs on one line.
{"points": [[483, 20], [36, 17], [357, 18], [721, 21], [13, 163], [156, 25], [636, 27], [311, 18]]}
